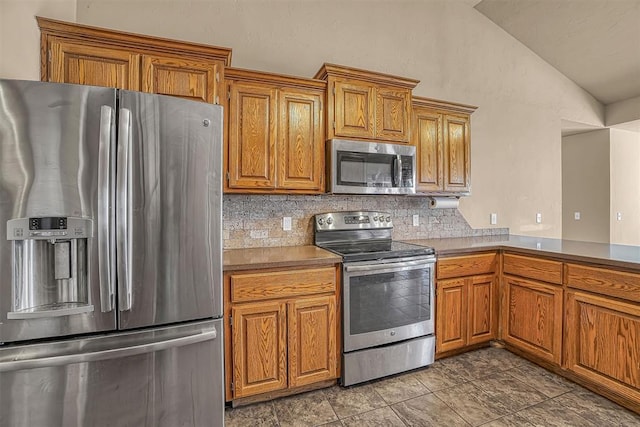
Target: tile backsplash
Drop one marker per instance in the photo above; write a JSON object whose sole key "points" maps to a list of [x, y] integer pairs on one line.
{"points": [[256, 221]]}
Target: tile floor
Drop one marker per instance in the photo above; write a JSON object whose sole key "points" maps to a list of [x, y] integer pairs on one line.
{"points": [[488, 387]]}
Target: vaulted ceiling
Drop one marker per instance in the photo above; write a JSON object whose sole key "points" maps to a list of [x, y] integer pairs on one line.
{"points": [[595, 43]]}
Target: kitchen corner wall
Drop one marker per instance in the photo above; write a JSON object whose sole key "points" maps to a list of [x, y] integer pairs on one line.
{"points": [[19, 35], [458, 54], [256, 221]]}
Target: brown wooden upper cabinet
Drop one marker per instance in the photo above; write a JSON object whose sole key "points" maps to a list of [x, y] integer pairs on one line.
{"points": [[72, 53], [367, 105], [274, 135], [443, 144]]}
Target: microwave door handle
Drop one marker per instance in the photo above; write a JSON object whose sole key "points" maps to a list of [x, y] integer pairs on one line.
{"points": [[107, 291], [122, 198], [397, 164]]}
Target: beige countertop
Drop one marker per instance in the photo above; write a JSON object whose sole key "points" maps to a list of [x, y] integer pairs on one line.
{"points": [[599, 253], [287, 256]]}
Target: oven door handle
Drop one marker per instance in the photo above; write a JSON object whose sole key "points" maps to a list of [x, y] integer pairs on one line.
{"points": [[385, 268]]}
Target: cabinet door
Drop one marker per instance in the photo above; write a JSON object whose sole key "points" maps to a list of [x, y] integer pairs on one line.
{"points": [[301, 149], [451, 315], [354, 110], [259, 348], [427, 137], [603, 342], [252, 136], [532, 317], [482, 309], [457, 152], [393, 111], [87, 64], [186, 78], [312, 340]]}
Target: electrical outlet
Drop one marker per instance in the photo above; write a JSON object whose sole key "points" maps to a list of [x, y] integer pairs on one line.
{"points": [[538, 218], [493, 219], [619, 216], [416, 220], [286, 223], [576, 216]]}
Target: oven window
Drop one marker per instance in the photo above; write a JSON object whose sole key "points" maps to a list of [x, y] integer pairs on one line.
{"points": [[389, 300]]}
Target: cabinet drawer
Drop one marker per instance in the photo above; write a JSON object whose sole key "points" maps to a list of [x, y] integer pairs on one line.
{"points": [[604, 281], [468, 265], [533, 268], [280, 284]]}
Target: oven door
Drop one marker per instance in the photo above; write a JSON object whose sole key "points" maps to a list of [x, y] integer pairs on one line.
{"points": [[387, 301]]}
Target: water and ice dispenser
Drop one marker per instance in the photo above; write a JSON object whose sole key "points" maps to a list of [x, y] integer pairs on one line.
{"points": [[50, 266]]}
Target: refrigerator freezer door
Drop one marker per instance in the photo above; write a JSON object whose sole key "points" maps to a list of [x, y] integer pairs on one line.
{"points": [[55, 163], [169, 210], [163, 377]]}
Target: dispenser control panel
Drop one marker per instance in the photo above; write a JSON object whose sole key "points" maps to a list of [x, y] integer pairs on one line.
{"points": [[49, 228], [48, 223]]}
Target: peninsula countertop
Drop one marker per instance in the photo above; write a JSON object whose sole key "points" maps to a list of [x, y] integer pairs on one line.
{"points": [[623, 256]]}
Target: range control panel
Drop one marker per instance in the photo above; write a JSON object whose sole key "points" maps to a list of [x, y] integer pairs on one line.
{"points": [[352, 220]]}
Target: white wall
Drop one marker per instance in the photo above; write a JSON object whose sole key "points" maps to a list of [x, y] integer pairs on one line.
{"points": [[622, 111], [586, 186], [456, 52], [625, 187], [20, 37]]}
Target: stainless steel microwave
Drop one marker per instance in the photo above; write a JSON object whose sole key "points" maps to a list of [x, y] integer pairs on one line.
{"points": [[356, 167]]}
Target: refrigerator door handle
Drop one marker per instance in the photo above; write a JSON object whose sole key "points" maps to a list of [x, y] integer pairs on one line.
{"points": [[107, 290], [122, 201], [115, 353]]}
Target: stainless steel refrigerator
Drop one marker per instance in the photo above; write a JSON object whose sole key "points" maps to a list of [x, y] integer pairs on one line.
{"points": [[111, 265]]}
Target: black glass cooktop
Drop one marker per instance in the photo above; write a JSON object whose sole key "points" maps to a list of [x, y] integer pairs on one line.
{"points": [[378, 249]]}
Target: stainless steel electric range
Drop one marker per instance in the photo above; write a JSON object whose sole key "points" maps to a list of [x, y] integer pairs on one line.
{"points": [[388, 295]]}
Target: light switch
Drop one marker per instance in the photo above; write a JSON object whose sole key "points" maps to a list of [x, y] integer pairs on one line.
{"points": [[576, 216], [416, 220], [493, 219], [538, 218]]}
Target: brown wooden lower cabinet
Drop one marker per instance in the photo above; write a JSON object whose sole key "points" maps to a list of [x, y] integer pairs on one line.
{"points": [[259, 348], [283, 329], [451, 314], [465, 312], [602, 342], [312, 340], [532, 317], [482, 309]]}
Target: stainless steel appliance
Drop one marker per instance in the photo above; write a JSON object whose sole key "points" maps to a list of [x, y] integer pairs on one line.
{"points": [[111, 266], [356, 167], [388, 295]]}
